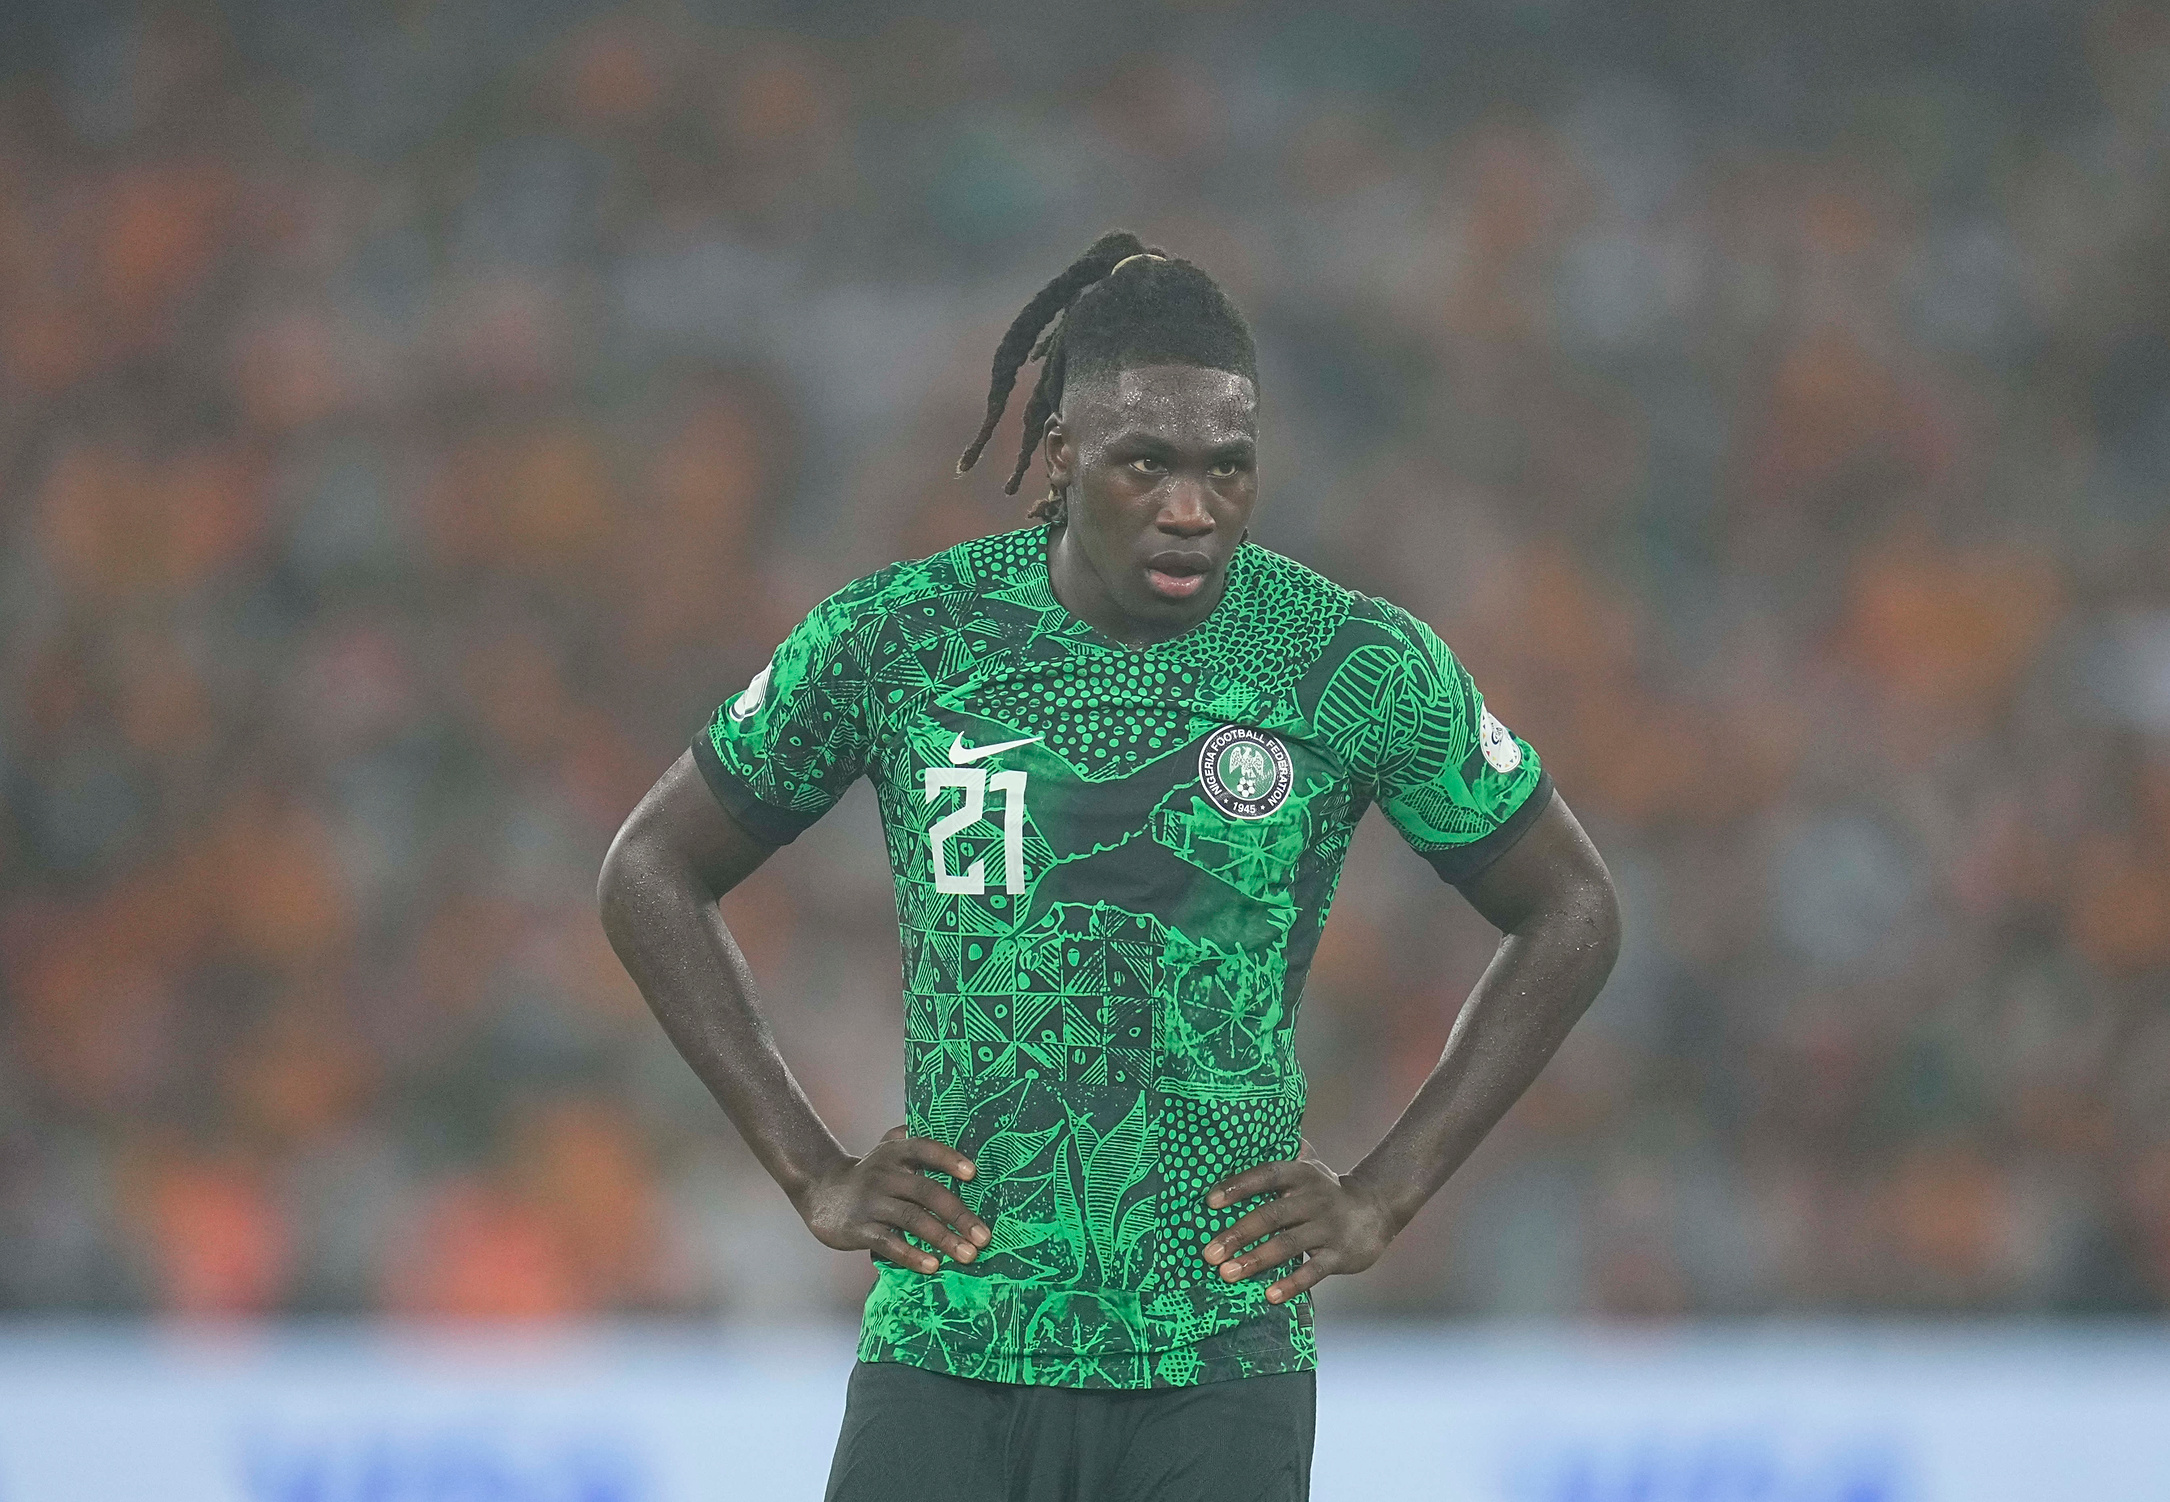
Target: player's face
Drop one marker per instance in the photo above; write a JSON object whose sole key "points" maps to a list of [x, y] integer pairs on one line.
{"points": [[1161, 462]]}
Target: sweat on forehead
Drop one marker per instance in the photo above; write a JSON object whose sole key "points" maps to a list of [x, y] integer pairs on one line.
{"points": [[1161, 393]]}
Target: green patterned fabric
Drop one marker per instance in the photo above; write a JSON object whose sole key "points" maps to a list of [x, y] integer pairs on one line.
{"points": [[1112, 868]]}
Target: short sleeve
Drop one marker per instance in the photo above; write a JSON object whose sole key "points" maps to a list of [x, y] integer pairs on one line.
{"points": [[782, 751], [1459, 786]]}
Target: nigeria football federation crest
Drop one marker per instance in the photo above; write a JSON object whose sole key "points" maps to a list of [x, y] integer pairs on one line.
{"points": [[1246, 773]]}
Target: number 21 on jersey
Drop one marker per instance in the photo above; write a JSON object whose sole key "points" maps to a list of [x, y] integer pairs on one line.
{"points": [[974, 783]]}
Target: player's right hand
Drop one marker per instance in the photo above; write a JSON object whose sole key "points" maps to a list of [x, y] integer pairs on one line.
{"points": [[869, 1203]]}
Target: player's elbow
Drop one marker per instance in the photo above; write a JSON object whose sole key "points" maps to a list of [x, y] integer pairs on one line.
{"points": [[606, 881], [1578, 916], [619, 873], [1589, 920]]}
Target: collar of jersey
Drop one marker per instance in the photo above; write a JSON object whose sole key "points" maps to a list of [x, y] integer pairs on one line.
{"points": [[1239, 572]]}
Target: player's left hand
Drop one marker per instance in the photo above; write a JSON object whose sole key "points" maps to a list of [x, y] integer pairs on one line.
{"points": [[1342, 1226]]}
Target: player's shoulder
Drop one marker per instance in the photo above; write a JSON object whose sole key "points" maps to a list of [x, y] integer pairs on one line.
{"points": [[1358, 619], [970, 568]]}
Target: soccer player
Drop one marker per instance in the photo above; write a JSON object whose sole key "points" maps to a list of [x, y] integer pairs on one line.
{"points": [[1119, 754]]}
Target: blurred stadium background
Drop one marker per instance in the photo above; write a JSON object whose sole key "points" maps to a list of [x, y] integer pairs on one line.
{"points": [[415, 417]]}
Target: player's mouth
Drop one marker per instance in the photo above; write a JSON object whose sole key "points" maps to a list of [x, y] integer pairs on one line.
{"points": [[1177, 576]]}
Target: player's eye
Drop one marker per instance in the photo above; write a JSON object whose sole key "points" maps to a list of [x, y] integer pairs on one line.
{"points": [[1146, 465], [1223, 470]]}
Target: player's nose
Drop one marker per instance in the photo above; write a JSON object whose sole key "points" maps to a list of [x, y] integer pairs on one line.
{"points": [[1183, 510]]}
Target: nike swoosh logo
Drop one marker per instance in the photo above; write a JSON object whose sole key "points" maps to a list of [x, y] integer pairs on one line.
{"points": [[961, 755]]}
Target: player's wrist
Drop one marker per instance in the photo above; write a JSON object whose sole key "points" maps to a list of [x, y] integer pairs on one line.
{"points": [[1393, 1204], [803, 1183]]}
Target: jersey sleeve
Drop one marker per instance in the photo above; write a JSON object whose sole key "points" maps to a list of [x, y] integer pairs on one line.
{"points": [[781, 752], [1459, 786]]}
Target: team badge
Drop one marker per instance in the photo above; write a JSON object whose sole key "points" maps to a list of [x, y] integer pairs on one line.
{"points": [[750, 698], [1501, 750], [1246, 773]]}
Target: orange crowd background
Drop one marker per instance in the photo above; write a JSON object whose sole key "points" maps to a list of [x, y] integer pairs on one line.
{"points": [[414, 419]]}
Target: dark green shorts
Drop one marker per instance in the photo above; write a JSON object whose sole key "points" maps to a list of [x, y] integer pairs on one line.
{"points": [[909, 1432]]}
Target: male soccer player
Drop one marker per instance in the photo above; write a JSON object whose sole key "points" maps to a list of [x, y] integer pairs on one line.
{"points": [[1119, 754]]}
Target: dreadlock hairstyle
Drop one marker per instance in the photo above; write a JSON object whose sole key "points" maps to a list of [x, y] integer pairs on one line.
{"points": [[1122, 303]]}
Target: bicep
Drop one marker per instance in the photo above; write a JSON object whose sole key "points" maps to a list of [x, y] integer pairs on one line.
{"points": [[679, 817], [1552, 868]]}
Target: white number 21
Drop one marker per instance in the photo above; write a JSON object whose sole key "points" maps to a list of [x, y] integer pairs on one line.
{"points": [[974, 782]]}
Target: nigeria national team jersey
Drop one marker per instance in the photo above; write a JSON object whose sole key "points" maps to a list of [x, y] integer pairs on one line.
{"points": [[1112, 868]]}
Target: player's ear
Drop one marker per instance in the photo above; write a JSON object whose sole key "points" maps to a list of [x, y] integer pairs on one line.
{"points": [[1058, 453]]}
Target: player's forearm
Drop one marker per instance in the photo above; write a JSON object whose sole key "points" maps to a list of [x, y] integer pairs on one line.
{"points": [[1543, 977], [675, 945]]}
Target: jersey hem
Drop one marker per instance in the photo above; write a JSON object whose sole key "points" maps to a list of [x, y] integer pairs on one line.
{"points": [[1270, 1350], [1016, 1371]]}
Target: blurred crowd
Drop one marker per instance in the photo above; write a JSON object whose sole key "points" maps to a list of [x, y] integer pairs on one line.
{"points": [[415, 418]]}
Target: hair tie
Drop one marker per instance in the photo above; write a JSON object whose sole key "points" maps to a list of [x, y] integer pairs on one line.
{"points": [[1143, 255]]}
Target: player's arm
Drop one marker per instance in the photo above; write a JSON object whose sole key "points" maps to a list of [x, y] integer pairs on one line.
{"points": [[1552, 899], [677, 854]]}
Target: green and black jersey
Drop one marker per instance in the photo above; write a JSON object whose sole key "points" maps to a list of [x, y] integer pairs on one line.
{"points": [[1112, 868]]}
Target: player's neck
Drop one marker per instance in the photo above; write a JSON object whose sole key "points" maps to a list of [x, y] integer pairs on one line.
{"points": [[1080, 590]]}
